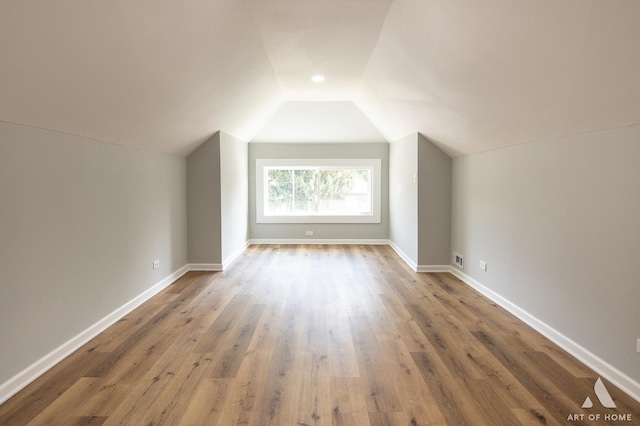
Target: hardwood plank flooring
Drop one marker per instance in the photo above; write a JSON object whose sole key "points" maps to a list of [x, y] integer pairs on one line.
{"points": [[316, 335]]}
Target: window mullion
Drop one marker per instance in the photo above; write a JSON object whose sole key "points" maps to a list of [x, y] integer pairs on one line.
{"points": [[317, 189]]}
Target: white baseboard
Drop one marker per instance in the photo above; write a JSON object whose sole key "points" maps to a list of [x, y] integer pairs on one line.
{"points": [[413, 265], [229, 260], [375, 242], [38, 368], [433, 268], [213, 267], [405, 258], [606, 370]]}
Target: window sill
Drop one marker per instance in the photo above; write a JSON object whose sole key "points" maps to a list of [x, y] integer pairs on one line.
{"points": [[319, 219]]}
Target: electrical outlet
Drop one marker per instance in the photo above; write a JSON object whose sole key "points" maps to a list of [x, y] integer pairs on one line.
{"points": [[309, 234], [638, 346], [156, 264], [483, 265]]}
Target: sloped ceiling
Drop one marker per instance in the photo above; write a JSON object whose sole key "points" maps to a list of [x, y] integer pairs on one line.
{"points": [[475, 76], [161, 75], [164, 75]]}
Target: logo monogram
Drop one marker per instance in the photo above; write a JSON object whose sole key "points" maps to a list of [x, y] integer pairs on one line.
{"points": [[602, 394]]}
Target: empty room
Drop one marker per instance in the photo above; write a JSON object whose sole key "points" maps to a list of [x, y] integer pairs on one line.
{"points": [[345, 212]]}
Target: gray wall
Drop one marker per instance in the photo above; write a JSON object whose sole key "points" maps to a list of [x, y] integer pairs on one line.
{"points": [[321, 230], [81, 223], [203, 203], [558, 224], [234, 194], [403, 195], [434, 204]]}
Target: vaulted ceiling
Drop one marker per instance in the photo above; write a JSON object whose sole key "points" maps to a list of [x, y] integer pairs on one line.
{"points": [[472, 76]]}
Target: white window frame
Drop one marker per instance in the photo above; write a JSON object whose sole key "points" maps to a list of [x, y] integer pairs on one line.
{"points": [[375, 164]]}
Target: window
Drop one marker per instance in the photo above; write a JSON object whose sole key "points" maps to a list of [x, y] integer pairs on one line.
{"points": [[318, 191]]}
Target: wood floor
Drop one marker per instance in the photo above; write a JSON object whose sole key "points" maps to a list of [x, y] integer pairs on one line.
{"points": [[316, 335]]}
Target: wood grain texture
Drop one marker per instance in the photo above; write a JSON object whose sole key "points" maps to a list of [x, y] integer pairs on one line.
{"points": [[315, 335]]}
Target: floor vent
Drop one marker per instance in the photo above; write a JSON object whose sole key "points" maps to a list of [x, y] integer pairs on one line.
{"points": [[458, 260]]}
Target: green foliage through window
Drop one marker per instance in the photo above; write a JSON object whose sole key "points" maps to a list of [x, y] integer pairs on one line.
{"points": [[318, 190]]}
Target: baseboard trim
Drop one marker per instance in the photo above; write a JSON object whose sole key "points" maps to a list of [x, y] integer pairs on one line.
{"points": [[413, 265], [229, 260], [35, 370], [44, 364], [600, 366], [301, 241], [433, 268], [210, 267]]}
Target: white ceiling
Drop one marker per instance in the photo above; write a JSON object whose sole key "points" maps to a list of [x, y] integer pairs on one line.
{"points": [[334, 38], [319, 122], [164, 75]]}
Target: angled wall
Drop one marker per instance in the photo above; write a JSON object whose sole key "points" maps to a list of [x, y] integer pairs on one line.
{"points": [[217, 194], [434, 205], [403, 198], [204, 222], [557, 223], [420, 203], [234, 196], [81, 223]]}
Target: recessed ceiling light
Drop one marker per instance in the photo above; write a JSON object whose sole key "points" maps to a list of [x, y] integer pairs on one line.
{"points": [[317, 78]]}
